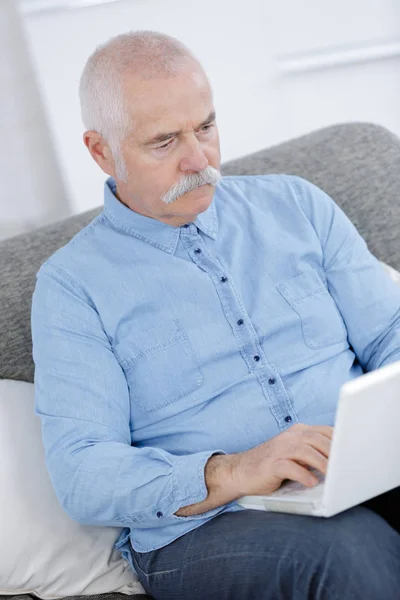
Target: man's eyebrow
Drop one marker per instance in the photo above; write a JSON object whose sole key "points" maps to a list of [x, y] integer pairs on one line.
{"points": [[164, 137]]}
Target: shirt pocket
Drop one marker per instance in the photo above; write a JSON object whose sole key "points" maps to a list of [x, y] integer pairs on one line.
{"points": [[159, 364], [321, 321]]}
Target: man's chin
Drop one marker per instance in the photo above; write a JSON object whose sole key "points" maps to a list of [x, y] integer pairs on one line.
{"points": [[193, 203], [201, 196], [206, 191]]}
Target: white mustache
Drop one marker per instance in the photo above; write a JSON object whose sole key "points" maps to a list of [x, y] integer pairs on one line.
{"points": [[190, 182]]}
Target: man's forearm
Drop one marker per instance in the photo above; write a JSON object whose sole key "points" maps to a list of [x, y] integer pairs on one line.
{"points": [[219, 482]]}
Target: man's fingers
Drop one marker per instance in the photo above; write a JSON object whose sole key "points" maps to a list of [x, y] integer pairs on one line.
{"points": [[325, 430], [321, 443], [311, 458], [316, 436], [289, 469]]}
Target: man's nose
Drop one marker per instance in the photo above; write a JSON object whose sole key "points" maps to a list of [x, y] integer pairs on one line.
{"points": [[193, 158]]}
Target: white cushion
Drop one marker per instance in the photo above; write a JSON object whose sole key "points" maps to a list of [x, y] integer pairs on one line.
{"points": [[393, 274], [42, 550]]}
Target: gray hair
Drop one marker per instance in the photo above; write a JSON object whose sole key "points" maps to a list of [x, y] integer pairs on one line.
{"points": [[148, 54]]}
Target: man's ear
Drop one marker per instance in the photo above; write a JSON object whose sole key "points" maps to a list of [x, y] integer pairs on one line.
{"points": [[100, 151]]}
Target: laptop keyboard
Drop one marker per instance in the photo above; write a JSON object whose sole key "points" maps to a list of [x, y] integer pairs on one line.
{"points": [[293, 489]]}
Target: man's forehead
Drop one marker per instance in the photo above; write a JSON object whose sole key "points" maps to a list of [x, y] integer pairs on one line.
{"points": [[163, 105]]}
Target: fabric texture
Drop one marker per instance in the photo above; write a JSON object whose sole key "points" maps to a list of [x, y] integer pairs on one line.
{"points": [[357, 164], [354, 555], [42, 550], [112, 596], [150, 336]]}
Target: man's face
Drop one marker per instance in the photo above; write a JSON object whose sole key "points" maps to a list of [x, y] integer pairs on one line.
{"points": [[174, 135]]}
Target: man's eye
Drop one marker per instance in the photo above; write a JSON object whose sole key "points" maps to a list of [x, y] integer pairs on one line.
{"points": [[165, 146], [207, 127]]}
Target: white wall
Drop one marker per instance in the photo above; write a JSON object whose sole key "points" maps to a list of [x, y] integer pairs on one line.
{"points": [[32, 192], [261, 57]]}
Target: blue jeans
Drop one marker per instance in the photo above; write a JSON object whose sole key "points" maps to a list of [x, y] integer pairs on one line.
{"points": [[257, 555]]}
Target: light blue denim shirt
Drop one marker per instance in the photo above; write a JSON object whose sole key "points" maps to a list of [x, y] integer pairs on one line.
{"points": [[158, 346]]}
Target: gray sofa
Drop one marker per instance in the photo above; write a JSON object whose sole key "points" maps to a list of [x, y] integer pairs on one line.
{"points": [[357, 164]]}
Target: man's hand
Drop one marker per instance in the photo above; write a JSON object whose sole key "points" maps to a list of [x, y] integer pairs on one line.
{"points": [[262, 469]]}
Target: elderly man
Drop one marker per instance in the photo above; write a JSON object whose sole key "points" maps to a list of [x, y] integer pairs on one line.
{"points": [[190, 343]]}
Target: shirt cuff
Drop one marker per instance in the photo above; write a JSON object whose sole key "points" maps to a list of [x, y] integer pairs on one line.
{"points": [[189, 484]]}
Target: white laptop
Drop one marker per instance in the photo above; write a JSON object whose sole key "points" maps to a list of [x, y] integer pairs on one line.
{"points": [[365, 453]]}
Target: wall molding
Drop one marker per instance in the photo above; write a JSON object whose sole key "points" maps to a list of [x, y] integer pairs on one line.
{"points": [[37, 7], [337, 56]]}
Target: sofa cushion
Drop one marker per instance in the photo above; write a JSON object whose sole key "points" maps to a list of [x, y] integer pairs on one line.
{"points": [[42, 550], [358, 165]]}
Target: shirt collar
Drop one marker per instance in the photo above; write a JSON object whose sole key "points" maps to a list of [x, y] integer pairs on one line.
{"points": [[155, 232]]}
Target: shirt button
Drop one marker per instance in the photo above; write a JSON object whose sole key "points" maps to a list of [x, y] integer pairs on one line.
{"points": [[187, 225], [271, 381], [224, 279], [198, 250], [159, 514], [288, 419], [240, 322], [256, 358]]}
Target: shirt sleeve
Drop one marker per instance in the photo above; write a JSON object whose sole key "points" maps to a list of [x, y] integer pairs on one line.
{"points": [[367, 298], [82, 399]]}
